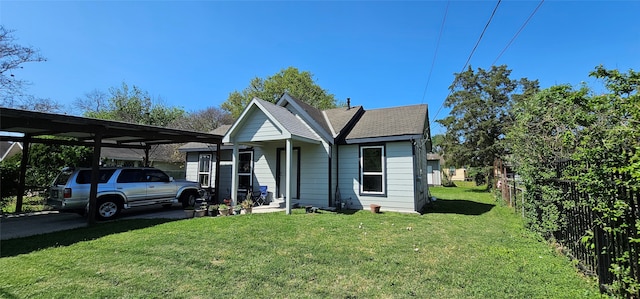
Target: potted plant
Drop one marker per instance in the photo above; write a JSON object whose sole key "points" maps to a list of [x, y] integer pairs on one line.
{"points": [[213, 210], [237, 209], [189, 212], [223, 209], [201, 210], [247, 205]]}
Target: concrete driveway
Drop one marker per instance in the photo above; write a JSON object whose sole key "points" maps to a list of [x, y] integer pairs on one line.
{"points": [[29, 224]]}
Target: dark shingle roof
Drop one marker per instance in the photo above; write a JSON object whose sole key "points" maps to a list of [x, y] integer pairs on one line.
{"points": [[192, 146], [340, 117], [221, 130], [396, 121], [314, 113], [287, 119]]}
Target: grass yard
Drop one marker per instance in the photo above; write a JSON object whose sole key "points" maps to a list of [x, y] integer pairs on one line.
{"points": [[29, 204], [468, 246]]}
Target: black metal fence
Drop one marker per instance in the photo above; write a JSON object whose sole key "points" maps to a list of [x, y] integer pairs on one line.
{"points": [[599, 242]]}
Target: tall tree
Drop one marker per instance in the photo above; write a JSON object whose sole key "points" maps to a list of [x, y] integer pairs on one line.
{"points": [[204, 120], [93, 101], [436, 143], [300, 85], [544, 132], [12, 88], [480, 113], [131, 105]]}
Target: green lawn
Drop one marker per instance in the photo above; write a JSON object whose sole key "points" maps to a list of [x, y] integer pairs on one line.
{"points": [[29, 204], [468, 246]]}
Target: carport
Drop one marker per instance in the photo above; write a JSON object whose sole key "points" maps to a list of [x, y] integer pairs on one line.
{"points": [[96, 133]]}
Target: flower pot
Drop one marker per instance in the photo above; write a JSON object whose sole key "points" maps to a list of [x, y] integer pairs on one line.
{"points": [[189, 213], [200, 213], [375, 208], [224, 212], [248, 210]]}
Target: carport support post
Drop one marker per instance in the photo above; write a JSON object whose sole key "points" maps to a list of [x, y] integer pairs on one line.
{"points": [[95, 171], [23, 172], [146, 156]]}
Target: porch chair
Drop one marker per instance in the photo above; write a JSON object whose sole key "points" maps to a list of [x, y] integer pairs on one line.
{"points": [[259, 196]]}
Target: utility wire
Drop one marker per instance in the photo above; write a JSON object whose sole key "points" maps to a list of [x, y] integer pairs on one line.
{"points": [[481, 35], [519, 30], [470, 55], [433, 61]]}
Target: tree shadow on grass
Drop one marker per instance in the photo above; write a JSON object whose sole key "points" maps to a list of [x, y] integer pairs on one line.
{"points": [[13, 247], [459, 206]]}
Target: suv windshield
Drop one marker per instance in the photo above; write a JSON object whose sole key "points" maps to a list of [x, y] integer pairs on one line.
{"points": [[84, 176]]}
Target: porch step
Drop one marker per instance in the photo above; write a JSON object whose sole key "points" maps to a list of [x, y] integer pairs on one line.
{"points": [[278, 203], [275, 205]]}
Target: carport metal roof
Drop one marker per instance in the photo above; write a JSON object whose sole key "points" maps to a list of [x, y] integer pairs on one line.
{"points": [[96, 133], [84, 130]]}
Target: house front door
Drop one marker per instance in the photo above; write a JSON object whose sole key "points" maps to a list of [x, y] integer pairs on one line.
{"points": [[282, 173]]}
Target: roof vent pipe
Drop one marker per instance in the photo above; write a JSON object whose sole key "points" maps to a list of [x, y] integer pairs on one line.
{"points": [[348, 103]]}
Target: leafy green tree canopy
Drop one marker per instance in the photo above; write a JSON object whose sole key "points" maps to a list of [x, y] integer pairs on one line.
{"points": [[436, 143], [594, 138], [480, 103], [300, 85], [132, 105]]}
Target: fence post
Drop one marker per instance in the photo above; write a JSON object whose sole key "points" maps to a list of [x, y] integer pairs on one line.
{"points": [[602, 256]]}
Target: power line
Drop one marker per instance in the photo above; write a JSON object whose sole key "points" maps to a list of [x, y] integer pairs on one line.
{"points": [[433, 61], [519, 30], [481, 35], [470, 54]]}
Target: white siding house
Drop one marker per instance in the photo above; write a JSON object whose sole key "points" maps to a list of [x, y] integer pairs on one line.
{"points": [[343, 157]]}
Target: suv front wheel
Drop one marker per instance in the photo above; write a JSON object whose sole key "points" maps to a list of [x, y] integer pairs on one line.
{"points": [[188, 199], [108, 208]]}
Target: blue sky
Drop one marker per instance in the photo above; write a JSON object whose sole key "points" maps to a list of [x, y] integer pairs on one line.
{"points": [[193, 54]]}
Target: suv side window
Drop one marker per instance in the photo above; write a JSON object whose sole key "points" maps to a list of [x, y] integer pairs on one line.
{"points": [[84, 176], [155, 175], [130, 176]]}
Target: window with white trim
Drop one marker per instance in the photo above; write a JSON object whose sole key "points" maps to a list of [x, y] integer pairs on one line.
{"points": [[245, 170], [204, 170], [372, 170]]}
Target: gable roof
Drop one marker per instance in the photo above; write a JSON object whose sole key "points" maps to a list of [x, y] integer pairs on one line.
{"points": [[286, 121], [9, 148], [397, 123]]}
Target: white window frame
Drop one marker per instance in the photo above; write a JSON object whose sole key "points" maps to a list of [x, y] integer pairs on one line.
{"points": [[206, 172], [249, 174], [381, 173]]}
